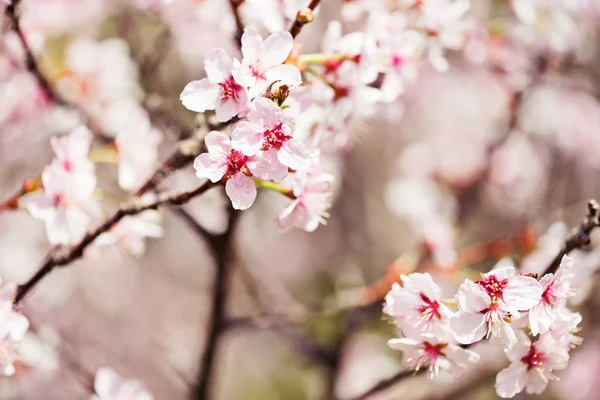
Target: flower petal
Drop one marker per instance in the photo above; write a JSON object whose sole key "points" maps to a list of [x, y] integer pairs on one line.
{"points": [[200, 95], [241, 190], [218, 65], [277, 48]]}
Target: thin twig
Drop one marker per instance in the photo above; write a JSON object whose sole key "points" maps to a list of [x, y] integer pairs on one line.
{"points": [[580, 236], [64, 256], [303, 17], [30, 62]]}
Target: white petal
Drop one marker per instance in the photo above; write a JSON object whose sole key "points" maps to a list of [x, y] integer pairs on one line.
{"points": [[522, 292], [241, 190], [247, 137], [252, 45], [218, 65], [471, 297], [266, 166], [511, 380], [200, 95], [285, 73], [105, 382], [536, 384], [295, 155], [468, 328], [209, 166], [277, 48]]}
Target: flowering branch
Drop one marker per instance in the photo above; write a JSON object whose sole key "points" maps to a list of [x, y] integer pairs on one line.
{"points": [[303, 17], [60, 256]]}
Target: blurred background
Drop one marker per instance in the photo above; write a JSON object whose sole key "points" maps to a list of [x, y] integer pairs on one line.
{"points": [[495, 157]]}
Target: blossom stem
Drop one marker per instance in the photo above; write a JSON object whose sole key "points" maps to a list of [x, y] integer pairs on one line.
{"points": [[63, 256], [322, 58], [106, 155], [319, 76], [273, 186], [304, 16]]}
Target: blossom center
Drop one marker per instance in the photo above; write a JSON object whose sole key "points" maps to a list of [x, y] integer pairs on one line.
{"points": [[229, 89], [493, 286], [236, 160], [430, 309], [550, 295], [257, 71], [275, 137], [534, 359], [430, 353], [397, 60]]}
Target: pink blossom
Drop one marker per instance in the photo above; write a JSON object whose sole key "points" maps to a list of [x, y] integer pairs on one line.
{"points": [[110, 386], [66, 204], [222, 160], [13, 326], [487, 306], [130, 232], [564, 327], [416, 305], [531, 366], [262, 64], [433, 353], [219, 91], [267, 128], [137, 143], [312, 193], [557, 288]]}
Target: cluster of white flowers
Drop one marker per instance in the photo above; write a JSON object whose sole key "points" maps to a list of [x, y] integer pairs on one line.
{"points": [[502, 306]]}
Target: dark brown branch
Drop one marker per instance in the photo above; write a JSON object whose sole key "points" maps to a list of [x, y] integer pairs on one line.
{"points": [[63, 256], [303, 17], [220, 246], [580, 237]]}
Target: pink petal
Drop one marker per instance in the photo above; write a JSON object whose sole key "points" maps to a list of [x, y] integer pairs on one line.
{"points": [[287, 74], [247, 138], [295, 155], [200, 95], [241, 190], [266, 166], [218, 143], [522, 292], [218, 65], [277, 48], [289, 216], [265, 112], [209, 166], [252, 45]]}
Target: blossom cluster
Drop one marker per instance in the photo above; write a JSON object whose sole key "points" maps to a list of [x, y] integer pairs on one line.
{"points": [[524, 315], [257, 95]]}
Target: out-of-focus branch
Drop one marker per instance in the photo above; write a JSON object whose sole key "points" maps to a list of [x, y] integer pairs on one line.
{"points": [[12, 12], [580, 236], [303, 17], [239, 24], [63, 256], [221, 248]]}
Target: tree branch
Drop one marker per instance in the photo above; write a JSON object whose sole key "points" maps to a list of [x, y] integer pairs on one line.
{"points": [[63, 256], [220, 245], [303, 17]]}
